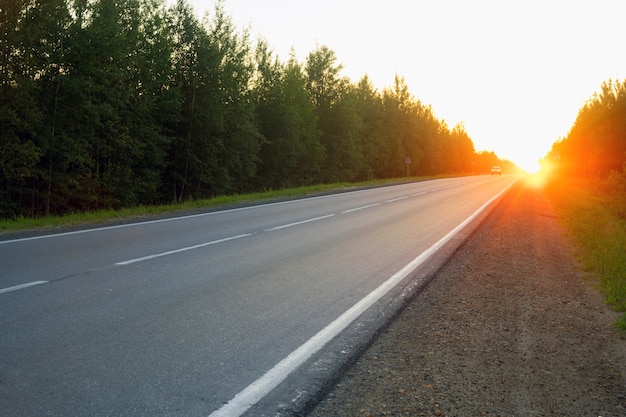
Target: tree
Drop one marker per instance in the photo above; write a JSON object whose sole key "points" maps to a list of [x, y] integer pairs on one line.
{"points": [[323, 80], [232, 126], [596, 143], [484, 160], [342, 130], [291, 153], [216, 145], [371, 135], [402, 127], [461, 150], [32, 50], [155, 108], [336, 115]]}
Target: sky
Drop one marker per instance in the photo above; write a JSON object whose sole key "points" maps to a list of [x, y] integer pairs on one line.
{"points": [[515, 73]]}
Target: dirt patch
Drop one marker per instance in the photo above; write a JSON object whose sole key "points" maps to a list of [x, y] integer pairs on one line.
{"points": [[508, 328]]}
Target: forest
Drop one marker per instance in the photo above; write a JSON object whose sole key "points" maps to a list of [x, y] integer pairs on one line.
{"points": [[120, 103]]}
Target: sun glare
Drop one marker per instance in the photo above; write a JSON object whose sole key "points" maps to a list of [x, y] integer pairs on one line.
{"points": [[526, 159], [530, 164]]}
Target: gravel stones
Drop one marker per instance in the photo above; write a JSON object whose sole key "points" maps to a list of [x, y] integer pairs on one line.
{"points": [[507, 328]]}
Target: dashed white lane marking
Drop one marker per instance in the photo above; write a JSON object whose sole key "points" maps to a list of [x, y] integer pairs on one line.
{"points": [[360, 208], [284, 226], [396, 199], [215, 242], [158, 255], [19, 287]]}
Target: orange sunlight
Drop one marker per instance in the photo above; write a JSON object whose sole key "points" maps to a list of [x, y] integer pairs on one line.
{"points": [[528, 161]]}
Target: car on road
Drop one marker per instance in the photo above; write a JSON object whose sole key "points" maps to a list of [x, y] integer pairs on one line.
{"points": [[496, 170]]}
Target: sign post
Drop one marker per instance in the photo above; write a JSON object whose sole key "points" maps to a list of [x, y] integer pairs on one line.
{"points": [[407, 162]]}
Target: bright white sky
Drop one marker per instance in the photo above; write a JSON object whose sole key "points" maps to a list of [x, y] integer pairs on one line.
{"points": [[514, 72]]}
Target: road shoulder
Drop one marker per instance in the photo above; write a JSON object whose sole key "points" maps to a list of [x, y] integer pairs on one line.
{"points": [[507, 327]]}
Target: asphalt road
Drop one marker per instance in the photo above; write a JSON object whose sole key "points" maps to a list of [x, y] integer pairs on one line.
{"points": [[177, 317]]}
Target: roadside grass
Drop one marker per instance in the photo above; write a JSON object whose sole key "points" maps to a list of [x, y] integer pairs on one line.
{"points": [[594, 214], [104, 216]]}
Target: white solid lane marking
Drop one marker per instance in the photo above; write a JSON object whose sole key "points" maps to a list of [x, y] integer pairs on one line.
{"points": [[284, 226], [360, 208], [19, 287], [266, 383], [158, 255]]}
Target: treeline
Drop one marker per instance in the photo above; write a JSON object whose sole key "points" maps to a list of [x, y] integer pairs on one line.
{"points": [[595, 146], [117, 103]]}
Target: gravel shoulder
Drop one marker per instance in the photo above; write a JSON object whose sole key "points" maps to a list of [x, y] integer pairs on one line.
{"points": [[508, 327]]}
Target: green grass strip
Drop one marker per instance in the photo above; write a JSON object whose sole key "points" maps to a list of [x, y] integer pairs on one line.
{"points": [[594, 215], [103, 216]]}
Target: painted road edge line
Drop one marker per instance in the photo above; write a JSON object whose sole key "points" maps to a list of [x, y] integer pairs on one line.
{"points": [[21, 286], [158, 255], [252, 394]]}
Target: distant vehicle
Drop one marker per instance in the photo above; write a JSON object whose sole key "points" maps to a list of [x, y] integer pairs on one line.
{"points": [[496, 170]]}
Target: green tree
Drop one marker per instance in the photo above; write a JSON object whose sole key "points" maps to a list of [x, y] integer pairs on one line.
{"points": [[342, 136], [323, 78], [111, 152], [216, 145], [154, 111], [337, 118], [32, 51], [432, 142], [183, 160], [291, 153], [233, 127], [371, 134], [402, 129]]}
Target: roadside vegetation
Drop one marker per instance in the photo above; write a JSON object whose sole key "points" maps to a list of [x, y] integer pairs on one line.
{"points": [[595, 218], [111, 104], [109, 215], [587, 171]]}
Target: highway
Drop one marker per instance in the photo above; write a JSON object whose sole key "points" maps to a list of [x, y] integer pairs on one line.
{"points": [[178, 317]]}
